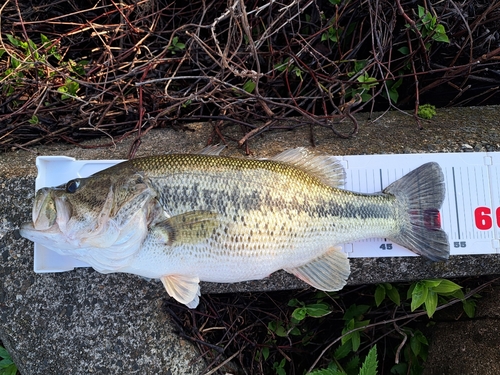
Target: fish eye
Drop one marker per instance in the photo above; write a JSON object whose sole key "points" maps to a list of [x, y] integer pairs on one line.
{"points": [[72, 186]]}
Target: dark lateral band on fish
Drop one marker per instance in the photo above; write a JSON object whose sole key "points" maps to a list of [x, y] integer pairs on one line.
{"points": [[186, 218]]}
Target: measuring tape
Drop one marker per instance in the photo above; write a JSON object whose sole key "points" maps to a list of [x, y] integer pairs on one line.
{"points": [[470, 214]]}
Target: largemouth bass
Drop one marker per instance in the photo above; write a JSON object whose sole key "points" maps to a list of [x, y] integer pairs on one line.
{"points": [[186, 218]]}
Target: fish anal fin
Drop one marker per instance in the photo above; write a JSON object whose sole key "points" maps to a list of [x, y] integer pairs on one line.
{"points": [[187, 228], [326, 168], [328, 272], [184, 289]]}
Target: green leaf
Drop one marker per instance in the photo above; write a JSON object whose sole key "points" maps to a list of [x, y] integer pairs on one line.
{"points": [[318, 310], [249, 86], [299, 313], [446, 287], [33, 120], [295, 302], [421, 11], [277, 328], [356, 340], [370, 364], [415, 345], [431, 303], [404, 50], [13, 40], [432, 283], [355, 311], [44, 40], [393, 293], [327, 371], [4, 353], [379, 294], [470, 308], [420, 337], [14, 62], [440, 34], [365, 96], [353, 365], [265, 353], [342, 351], [279, 367], [419, 295], [359, 65], [4, 363], [400, 369]]}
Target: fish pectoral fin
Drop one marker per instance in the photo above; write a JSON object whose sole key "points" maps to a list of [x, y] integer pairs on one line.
{"points": [[329, 272], [187, 228], [328, 169], [184, 289]]}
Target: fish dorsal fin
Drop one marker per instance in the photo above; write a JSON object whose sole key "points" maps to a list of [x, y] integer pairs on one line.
{"points": [[187, 228], [329, 272], [185, 289], [326, 168], [212, 150]]}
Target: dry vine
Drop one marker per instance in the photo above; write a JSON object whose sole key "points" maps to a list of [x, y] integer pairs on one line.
{"points": [[119, 69]]}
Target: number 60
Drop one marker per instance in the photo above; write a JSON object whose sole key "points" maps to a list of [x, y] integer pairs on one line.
{"points": [[483, 219]]}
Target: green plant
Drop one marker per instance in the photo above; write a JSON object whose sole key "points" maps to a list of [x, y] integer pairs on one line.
{"points": [[428, 292], [7, 366], [288, 66], [427, 111], [392, 90], [332, 34], [428, 26], [28, 53], [176, 46], [27, 59], [386, 289], [414, 355], [354, 320], [69, 89], [368, 367], [34, 120], [365, 81]]}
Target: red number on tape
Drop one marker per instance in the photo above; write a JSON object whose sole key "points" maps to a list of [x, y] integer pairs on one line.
{"points": [[482, 218]]}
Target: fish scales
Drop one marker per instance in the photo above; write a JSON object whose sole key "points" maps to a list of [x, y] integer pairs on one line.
{"points": [[184, 218], [261, 193]]}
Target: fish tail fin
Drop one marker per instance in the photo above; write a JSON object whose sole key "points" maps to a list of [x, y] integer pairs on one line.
{"points": [[420, 194]]}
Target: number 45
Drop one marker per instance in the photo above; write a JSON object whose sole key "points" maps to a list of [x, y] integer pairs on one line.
{"points": [[386, 246]]}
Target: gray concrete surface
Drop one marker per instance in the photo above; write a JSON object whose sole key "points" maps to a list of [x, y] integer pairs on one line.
{"points": [[84, 322], [463, 346]]}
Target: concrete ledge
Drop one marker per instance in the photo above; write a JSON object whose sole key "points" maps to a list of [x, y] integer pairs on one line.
{"points": [[81, 322]]}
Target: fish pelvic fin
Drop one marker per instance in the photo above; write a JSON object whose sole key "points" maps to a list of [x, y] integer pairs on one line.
{"points": [[184, 289], [326, 168], [328, 272], [420, 195]]}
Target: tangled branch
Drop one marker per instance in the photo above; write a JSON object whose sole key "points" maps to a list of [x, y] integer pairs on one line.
{"points": [[75, 70]]}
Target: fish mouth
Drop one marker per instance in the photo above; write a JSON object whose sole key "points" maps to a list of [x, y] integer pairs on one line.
{"points": [[44, 213], [50, 213]]}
